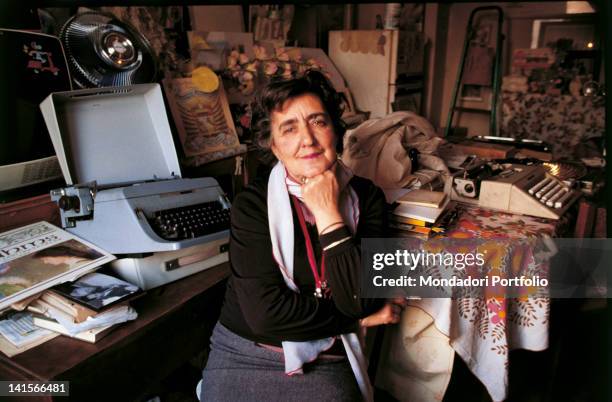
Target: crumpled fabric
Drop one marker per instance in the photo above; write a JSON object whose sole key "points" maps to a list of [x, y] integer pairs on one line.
{"points": [[416, 360], [378, 149]]}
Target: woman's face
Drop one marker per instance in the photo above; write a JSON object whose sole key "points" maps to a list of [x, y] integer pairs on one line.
{"points": [[303, 137]]}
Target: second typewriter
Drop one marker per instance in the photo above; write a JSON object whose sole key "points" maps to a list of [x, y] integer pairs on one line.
{"points": [[124, 188], [519, 189]]}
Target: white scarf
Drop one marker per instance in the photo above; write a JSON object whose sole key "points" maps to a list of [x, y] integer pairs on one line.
{"points": [[282, 237]]}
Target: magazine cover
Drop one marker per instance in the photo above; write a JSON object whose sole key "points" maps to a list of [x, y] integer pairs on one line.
{"points": [[38, 256], [97, 291]]}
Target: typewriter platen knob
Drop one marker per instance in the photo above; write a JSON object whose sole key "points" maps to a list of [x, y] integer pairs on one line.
{"points": [[69, 202]]}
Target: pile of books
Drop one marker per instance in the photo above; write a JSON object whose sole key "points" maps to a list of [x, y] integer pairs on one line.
{"points": [[86, 309], [422, 214], [47, 288]]}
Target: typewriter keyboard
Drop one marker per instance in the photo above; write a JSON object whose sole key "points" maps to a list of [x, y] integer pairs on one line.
{"points": [[191, 221]]}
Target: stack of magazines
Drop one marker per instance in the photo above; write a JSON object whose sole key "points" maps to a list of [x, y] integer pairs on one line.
{"points": [[49, 271]]}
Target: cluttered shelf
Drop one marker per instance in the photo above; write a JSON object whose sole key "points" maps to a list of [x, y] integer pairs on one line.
{"points": [[175, 321]]}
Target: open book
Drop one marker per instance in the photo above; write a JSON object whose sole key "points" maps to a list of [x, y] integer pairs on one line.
{"points": [[35, 257]]}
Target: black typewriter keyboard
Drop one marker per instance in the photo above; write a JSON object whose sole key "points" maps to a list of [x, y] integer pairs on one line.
{"points": [[191, 221]]}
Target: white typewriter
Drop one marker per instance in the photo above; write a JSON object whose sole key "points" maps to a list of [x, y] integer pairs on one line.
{"points": [[125, 193], [519, 189]]}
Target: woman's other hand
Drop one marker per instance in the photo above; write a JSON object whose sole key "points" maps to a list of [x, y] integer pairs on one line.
{"points": [[321, 195], [389, 314]]}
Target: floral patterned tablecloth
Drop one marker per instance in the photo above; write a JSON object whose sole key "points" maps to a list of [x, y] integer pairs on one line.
{"points": [[483, 330], [563, 121]]}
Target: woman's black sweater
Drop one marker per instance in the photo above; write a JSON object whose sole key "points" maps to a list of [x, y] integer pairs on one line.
{"points": [[258, 304]]}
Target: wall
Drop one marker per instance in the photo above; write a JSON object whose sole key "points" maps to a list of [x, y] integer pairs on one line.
{"points": [[435, 29], [304, 25], [217, 18], [366, 15]]}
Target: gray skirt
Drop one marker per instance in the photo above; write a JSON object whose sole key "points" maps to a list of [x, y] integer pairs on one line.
{"points": [[240, 370]]}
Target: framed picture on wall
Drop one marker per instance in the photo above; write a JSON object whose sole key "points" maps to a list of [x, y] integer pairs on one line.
{"points": [[579, 30]]}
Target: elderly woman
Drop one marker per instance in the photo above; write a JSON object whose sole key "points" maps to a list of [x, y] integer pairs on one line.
{"points": [[292, 310]]}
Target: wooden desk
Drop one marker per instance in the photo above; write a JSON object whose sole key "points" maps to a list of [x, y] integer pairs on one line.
{"points": [[29, 210], [174, 323]]}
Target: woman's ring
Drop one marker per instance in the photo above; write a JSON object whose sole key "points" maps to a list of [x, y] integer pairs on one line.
{"points": [[304, 180]]}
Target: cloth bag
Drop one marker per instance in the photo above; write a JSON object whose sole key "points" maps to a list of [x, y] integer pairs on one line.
{"points": [[378, 149], [416, 359]]}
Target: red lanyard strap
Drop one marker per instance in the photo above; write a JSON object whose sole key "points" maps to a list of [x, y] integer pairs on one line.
{"points": [[319, 281]]}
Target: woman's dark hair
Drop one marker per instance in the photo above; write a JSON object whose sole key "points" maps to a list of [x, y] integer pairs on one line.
{"points": [[273, 96], [66, 251]]}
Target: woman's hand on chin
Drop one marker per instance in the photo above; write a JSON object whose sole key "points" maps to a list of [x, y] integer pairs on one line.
{"points": [[321, 194]]}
